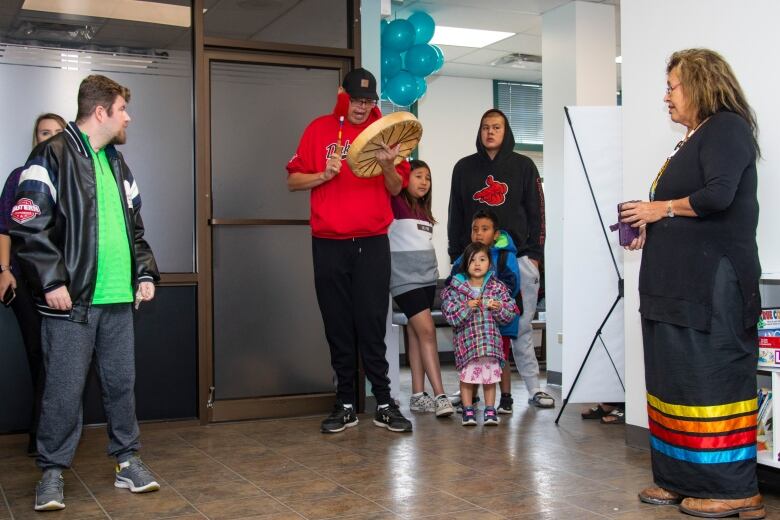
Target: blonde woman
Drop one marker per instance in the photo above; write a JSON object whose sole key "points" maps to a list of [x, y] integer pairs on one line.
{"points": [[13, 287], [699, 298]]}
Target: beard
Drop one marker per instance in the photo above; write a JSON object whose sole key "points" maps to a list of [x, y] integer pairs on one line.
{"points": [[120, 138]]}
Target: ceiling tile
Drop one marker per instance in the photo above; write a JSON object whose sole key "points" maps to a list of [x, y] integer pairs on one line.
{"points": [[524, 43], [480, 57], [452, 52], [487, 72], [475, 16]]}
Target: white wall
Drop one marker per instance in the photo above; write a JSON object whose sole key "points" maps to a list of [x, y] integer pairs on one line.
{"points": [[746, 35], [578, 45], [450, 114], [370, 38], [159, 143]]}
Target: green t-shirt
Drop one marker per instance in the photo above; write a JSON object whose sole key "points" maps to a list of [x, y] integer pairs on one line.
{"points": [[113, 284]]}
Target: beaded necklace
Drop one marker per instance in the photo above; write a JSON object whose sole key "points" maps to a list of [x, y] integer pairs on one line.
{"points": [[679, 145]]}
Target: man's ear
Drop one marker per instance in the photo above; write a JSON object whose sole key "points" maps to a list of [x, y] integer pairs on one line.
{"points": [[100, 113]]}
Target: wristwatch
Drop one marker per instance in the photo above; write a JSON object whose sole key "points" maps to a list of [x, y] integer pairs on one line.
{"points": [[4, 268], [669, 211]]}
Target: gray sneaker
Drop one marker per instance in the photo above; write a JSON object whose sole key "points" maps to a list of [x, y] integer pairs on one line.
{"points": [[49, 493], [422, 403], [135, 476], [444, 407]]}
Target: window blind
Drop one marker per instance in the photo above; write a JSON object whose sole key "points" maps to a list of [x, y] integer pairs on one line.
{"points": [[522, 104]]}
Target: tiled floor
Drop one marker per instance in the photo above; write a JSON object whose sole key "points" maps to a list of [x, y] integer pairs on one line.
{"points": [[527, 468]]}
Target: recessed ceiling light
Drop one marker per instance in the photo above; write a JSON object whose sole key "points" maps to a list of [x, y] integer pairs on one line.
{"points": [[131, 10], [462, 37]]}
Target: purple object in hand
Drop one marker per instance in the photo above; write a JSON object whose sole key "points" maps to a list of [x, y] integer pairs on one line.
{"points": [[626, 233]]}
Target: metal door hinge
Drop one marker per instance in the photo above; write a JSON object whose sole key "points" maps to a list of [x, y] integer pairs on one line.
{"points": [[210, 402]]}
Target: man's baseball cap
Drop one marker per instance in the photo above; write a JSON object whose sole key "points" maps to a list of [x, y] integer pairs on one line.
{"points": [[360, 84]]}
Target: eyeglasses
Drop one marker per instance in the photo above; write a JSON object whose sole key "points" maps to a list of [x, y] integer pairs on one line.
{"points": [[669, 88], [363, 102]]}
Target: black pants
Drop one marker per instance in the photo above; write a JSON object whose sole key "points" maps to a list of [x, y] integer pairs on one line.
{"points": [[352, 280], [30, 325]]}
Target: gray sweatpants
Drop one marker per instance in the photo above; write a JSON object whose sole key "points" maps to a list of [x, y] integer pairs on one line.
{"points": [[523, 346], [67, 353]]}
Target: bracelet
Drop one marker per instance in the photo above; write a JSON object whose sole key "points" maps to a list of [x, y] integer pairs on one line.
{"points": [[669, 211], [4, 268]]}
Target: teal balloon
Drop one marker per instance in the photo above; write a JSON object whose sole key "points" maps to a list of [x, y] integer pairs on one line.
{"points": [[439, 57], [402, 89], [398, 36], [421, 60], [422, 86], [383, 25], [424, 27], [383, 95], [391, 63]]}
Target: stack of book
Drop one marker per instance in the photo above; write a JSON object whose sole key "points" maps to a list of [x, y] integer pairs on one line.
{"points": [[764, 420], [769, 338]]}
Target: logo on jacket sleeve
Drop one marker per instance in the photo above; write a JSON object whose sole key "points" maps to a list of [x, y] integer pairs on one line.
{"points": [[494, 192], [24, 210]]}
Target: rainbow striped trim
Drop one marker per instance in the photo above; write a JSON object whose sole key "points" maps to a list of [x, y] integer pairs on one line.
{"points": [[704, 457], [703, 434]]}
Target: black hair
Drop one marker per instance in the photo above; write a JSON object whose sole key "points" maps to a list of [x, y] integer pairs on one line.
{"points": [[423, 204], [486, 213], [468, 254]]}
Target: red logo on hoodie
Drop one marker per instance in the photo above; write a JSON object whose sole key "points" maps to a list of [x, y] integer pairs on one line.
{"points": [[494, 194]]}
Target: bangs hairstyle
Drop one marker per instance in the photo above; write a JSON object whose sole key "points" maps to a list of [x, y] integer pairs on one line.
{"points": [[48, 115], [97, 90], [710, 86], [468, 254], [423, 204]]}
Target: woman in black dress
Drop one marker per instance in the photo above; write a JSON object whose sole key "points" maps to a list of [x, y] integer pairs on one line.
{"points": [[699, 296]]}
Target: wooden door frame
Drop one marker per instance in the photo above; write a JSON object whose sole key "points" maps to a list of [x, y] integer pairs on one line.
{"points": [[256, 407], [205, 48]]}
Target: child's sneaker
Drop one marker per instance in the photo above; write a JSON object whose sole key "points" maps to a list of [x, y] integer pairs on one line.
{"points": [[443, 406], [469, 416], [422, 403], [459, 405], [491, 418], [505, 404]]}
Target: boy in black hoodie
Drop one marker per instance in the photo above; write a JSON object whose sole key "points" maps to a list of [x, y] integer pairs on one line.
{"points": [[507, 183]]}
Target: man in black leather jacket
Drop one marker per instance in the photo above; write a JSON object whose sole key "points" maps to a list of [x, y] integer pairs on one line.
{"points": [[78, 235]]}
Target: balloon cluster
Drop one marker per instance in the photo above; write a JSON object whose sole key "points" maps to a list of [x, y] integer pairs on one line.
{"points": [[407, 58]]}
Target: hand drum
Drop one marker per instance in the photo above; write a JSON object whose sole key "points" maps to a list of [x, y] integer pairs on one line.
{"points": [[393, 129]]}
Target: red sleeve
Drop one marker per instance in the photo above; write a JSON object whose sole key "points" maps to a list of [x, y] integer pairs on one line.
{"points": [[305, 158], [404, 169]]}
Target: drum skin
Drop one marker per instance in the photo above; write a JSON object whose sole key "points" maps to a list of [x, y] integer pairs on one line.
{"points": [[392, 129]]}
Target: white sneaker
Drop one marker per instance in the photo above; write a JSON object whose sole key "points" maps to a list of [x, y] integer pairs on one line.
{"points": [[444, 407], [422, 403]]}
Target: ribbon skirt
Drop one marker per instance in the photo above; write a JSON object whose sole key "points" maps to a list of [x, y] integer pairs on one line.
{"points": [[701, 399]]}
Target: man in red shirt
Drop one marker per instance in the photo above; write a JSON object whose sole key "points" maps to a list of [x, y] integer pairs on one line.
{"points": [[350, 216]]}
